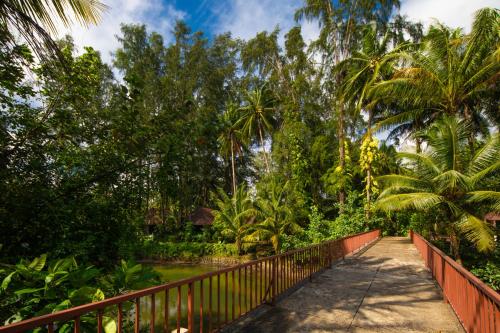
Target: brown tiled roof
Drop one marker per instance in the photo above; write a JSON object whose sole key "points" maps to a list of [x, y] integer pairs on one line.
{"points": [[202, 216]]}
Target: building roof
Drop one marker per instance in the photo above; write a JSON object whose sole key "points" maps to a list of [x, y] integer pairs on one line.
{"points": [[492, 216], [202, 216]]}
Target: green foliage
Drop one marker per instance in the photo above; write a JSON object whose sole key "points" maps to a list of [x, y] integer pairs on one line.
{"points": [[447, 180], [339, 178], [274, 214], [85, 158], [185, 250], [318, 229], [490, 274], [40, 287], [353, 219], [233, 215]]}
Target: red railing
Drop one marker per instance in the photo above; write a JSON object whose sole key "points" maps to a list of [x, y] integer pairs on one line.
{"points": [[476, 305], [172, 305]]}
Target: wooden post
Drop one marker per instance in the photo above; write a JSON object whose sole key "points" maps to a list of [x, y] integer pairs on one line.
{"points": [[275, 273], [190, 307]]}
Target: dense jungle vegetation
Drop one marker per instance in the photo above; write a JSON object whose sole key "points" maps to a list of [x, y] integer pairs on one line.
{"points": [[282, 140]]}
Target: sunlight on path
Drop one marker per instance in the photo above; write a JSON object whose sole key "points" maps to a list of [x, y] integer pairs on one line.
{"points": [[384, 289]]}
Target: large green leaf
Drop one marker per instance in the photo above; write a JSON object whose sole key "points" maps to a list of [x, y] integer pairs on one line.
{"points": [[6, 280], [38, 263], [83, 295], [109, 324], [28, 291]]}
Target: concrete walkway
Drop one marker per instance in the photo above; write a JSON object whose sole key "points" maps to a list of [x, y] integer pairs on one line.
{"points": [[383, 289]]}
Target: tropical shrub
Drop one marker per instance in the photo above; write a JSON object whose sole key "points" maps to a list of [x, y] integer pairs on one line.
{"points": [[184, 250], [489, 273], [276, 216], [233, 214], [37, 287]]}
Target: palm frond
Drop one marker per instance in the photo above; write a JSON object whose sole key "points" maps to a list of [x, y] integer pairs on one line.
{"points": [[423, 160], [476, 231], [486, 156], [403, 201], [452, 179], [36, 19], [491, 197], [404, 181]]}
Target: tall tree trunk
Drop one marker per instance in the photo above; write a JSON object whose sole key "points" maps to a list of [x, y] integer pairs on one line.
{"points": [[263, 148], [238, 245], [418, 144], [233, 168], [341, 154], [369, 170], [471, 138], [455, 246]]}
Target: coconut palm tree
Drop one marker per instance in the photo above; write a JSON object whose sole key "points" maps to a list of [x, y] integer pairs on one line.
{"points": [[35, 20], [275, 215], [233, 214], [231, 140], [257, 117], [451, 73], [445, 178], [364, 70]]}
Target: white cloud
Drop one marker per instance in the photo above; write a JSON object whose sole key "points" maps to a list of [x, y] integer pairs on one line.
{"points": [[157, 16], [245, 18], [454, 13]]}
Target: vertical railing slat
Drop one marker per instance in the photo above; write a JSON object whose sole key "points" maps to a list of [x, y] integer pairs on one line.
{"points": [[201, 306], [76, 327], [119, 323], [99, 321], [179, 314], [137, 315], [166, 311], [190, 307], [153, 315]]}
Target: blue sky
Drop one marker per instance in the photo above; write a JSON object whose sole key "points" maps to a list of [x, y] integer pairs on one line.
{"points": [[243, 18]]}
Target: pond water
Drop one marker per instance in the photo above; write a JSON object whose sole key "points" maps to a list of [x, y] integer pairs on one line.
{"points": [[243, 293]]}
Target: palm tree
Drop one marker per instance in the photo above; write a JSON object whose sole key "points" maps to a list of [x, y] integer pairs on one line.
{"points": [[445, 178], [450, 73], [34, 20], [234, 214], [275, 215], [365, 69], [257, 117], [339, 22], [230, 139]]}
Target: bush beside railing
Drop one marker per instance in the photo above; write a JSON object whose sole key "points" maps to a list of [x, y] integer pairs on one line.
{"points": [[269, 278], [476, 305]]}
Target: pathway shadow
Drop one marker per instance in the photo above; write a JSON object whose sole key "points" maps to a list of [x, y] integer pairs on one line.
{"points": [[383, 289]]}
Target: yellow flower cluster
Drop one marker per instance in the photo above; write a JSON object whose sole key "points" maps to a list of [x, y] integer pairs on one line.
{"points": [[368, 153]]}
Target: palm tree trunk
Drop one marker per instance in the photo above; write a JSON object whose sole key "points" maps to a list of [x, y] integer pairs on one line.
{"points": [[233, 168], [238, 245], [369, 170], [341, 155], [368, 190], [263, 147], [455, 246], [471, 138], [418, 144]]}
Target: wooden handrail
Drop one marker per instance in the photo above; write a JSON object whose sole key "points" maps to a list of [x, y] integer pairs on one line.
{"points": [[135, 296], [495, 296], [476, 305]]}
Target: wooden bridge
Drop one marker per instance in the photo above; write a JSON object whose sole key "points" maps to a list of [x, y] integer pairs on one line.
{"points": [[385, 288], [361, 283]]}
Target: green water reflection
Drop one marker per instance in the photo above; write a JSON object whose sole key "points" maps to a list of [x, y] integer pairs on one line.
{"points": [[244, 291]]}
